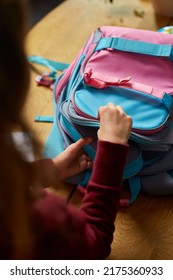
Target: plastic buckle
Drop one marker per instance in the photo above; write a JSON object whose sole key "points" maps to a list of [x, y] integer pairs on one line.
{"points": [[45, 80]]}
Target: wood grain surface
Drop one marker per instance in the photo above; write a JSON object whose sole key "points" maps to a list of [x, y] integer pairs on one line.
{"points": [[145, 229]]}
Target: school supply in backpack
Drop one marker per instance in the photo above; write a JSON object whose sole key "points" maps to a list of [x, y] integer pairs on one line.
{"points": [[129, 67]]}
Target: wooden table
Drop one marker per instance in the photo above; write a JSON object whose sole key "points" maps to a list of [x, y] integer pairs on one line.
{"points": [[145, 229]]}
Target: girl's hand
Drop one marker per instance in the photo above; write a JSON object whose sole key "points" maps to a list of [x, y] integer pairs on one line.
{"points": [[72, 161], [115, 125]]}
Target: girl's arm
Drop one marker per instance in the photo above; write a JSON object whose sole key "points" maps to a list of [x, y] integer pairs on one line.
{"points": [[87, 233]]}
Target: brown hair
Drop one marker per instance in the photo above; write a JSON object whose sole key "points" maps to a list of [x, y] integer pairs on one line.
{"points": [[16, 175]]}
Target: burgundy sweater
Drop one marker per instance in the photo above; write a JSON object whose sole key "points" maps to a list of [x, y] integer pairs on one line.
{"points": [[66, 232]]}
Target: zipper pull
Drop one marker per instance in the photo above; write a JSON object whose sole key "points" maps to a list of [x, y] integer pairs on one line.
{"points": [[99, 80], [47, 80]]}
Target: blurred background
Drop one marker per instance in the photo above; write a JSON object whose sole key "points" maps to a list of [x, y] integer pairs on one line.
{"points": [[39, 8]]}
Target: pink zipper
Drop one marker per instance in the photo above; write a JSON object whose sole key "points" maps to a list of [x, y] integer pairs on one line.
{"points": [[63, 81], [69, 70], [66, 76], [149, 132]]}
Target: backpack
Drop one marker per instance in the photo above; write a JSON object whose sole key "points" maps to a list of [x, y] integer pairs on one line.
{"points": [[125, 66]]}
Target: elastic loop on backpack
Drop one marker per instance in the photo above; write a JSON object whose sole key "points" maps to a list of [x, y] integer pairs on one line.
{"points": [[134, 46]]}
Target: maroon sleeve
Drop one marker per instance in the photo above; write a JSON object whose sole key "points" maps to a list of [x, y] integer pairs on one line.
{"points": [[103, 193], [66, 232]]}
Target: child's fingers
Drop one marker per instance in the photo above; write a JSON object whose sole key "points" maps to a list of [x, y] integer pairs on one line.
{"points": [[110, 108], [110, 104], [86, 162], [120, 109], [78, 145], [101, 110]]}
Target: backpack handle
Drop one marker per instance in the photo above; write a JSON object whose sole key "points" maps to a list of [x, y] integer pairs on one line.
{"points": [[140, 47]]}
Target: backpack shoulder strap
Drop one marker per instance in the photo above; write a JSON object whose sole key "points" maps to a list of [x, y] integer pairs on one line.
{"points": [[54, 66]]}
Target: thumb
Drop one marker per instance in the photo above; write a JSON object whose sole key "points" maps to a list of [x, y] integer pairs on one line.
{"points": [[78, 145]]}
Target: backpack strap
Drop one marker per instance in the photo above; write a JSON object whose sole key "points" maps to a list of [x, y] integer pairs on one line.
{"points": [[135, 188], [140, 47], [40, 118], [54, 66], [48, 78]]}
